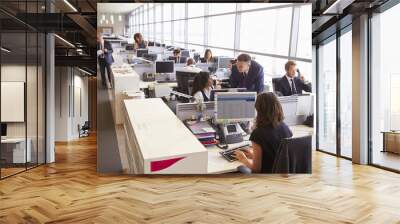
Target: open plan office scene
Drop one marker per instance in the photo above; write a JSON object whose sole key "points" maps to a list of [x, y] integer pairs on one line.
{"points": [[206, 112]]}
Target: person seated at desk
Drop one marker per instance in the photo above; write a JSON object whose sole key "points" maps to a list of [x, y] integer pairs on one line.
{"points": [[289, 84], [177, 58], [202, 86], [247, 73], [208, 58], [139, 42], [191, 66], [266, 137]]}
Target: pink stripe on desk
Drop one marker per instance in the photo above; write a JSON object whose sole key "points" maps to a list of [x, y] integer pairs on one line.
{"points": [[163, 164]]}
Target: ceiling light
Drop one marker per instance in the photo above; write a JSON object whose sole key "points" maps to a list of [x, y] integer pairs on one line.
{"points": [[70, 5], [5, 50], [120, 18], [64, 40], [106, 21], [103, 17]]}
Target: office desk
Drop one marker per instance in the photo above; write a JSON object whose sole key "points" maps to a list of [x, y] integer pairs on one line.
{"points": [[150, 85], [128, 81], [13, 150], [157, 142], [154, 133]]}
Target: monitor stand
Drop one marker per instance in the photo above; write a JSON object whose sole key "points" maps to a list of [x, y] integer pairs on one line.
{"points": [[230, 133]]}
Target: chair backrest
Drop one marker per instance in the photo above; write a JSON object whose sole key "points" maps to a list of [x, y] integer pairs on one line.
{"points": [[294, 156]]}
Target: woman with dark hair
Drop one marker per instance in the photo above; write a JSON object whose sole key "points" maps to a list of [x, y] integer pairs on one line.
{"points": [[208, 58], [202, 85], [267, 135], [139, 42]]}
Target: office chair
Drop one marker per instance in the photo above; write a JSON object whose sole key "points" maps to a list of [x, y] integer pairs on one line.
{"points": [[293, 156], [84, 130]]}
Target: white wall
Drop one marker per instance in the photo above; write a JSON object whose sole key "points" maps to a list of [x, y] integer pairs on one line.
{"points": [[71, 103]]}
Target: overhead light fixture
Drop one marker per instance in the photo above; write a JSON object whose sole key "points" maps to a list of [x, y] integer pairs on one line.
{"points": [[65, 41], [5, 50], [106, 21], [86, 72], [120, 18], [103, 17], [70, 5]]}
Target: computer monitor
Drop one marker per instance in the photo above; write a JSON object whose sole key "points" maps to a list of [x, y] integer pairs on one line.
{"points": [[150, 44], [3, 129], [185, 81], [234, 107], [223, 62], [185, 53], [164, 66], [141, 52], [129, 47], [150, 57], [216, 91]]}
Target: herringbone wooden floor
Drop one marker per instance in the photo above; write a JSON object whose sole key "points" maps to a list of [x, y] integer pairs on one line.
{"points": [[70, 191]]}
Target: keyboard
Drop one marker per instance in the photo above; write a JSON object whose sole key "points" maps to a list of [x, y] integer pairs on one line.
{"points": [[229, 154], [165, 81]]}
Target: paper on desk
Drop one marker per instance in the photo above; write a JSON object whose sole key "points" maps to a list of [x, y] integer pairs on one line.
{"points": [[304, 105], [208, 129]]}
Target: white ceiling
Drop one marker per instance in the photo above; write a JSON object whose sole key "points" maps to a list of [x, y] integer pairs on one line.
{"points": [[117, 7]]}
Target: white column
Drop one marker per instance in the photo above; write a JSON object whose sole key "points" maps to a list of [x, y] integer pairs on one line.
{"points": [[360, 90]]}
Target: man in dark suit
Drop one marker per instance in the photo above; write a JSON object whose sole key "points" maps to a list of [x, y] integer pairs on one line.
{"points": [[105, 58], [289, 84], [248, 74]]}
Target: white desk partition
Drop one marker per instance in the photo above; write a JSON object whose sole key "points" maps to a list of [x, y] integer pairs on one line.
{"points": [[294, 109], [157, 142], [123, 81]]}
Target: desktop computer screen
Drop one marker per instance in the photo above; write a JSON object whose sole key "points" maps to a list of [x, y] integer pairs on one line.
{"points": [[234, 107], [141, 52], [223, 62], [164, 66], [185, 53], [3, 129]]}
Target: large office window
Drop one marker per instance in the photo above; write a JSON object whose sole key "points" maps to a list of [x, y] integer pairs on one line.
{"points": [[385, 87], [221, 31], [196, 31], [346, 93], [263, 30], [271, 37], [327, 96]]}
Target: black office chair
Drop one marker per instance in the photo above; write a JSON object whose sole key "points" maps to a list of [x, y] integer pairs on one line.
{"points": [[293, 156], [84, 130]]}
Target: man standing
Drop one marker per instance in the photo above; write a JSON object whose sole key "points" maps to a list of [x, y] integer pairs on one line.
{"points": [[105, 58], [289, 84], [248, 74]]}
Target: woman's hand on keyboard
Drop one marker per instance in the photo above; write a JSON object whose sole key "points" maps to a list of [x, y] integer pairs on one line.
{"points": [[249, 153], [240, 156]]}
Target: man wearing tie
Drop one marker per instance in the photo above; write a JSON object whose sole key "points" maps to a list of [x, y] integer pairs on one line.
{"points": [[247, 73], [105, 58], [289, 84]]}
